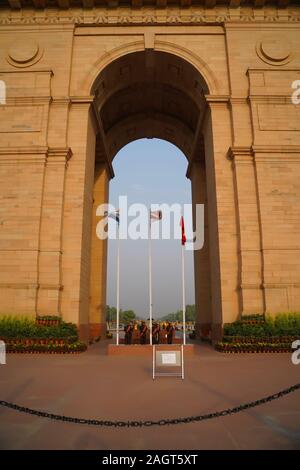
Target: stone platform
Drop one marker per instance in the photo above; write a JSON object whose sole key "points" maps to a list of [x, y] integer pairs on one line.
{"points": [[146, 349]]}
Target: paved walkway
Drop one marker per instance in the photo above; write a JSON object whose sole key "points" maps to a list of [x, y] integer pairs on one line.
{"points": [[93, 385]]}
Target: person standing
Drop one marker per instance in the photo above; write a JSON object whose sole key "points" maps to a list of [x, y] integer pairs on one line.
{"points": [[128, 333], [155, 333], [170, 332], [143, 333]]}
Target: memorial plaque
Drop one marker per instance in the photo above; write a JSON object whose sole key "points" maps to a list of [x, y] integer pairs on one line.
{"points": [[167, 362]]}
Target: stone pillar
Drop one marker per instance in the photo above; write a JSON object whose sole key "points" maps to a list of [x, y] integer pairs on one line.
{"points": [[250, 262], [50, 250], [197, 175], [77, 217], [97, 314], [223, 233]]}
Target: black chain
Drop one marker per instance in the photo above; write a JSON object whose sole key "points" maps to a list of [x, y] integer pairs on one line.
{"points": [[162, 422]]}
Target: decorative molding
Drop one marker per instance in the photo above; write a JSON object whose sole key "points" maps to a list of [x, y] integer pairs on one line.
{"points": [[17, 285], [241, 154], [23, 285], [246, 285], [13, 155], [280, 285], [81, 99], [59, 155], [274, 50], [146, 16], [217, 99], [24, 53], [276, 148], [23, 150], [44, 155], [276, 154], [262, 154], [269, 285], [58, 287]]}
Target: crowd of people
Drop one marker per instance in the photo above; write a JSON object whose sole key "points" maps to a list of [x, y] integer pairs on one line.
{"points": [[161, 333]]}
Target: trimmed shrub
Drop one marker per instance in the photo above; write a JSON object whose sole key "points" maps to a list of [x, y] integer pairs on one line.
{"points": [[24, 328], [285, 324]]}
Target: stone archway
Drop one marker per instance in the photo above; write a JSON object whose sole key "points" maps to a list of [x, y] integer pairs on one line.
{"points": [[148, 94]]}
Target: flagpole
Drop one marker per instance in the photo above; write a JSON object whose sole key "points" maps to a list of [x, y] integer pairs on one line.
{"points": [[183, 294], [150, 281], [118, 284]]}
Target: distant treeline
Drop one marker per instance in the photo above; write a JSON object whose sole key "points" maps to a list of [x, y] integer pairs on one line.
{"points": [[129, 315], [124, 315], [190, 314]]}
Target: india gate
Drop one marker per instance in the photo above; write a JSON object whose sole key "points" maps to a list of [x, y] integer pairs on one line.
{"points": [[82, 79]]}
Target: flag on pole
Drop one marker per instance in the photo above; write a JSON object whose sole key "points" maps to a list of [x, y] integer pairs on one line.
{"points": [[183, 237], [114, 215], [155, 215]]}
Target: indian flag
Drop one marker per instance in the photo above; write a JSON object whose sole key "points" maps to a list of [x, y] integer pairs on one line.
{"points": [[155, 215], [114, 215]]}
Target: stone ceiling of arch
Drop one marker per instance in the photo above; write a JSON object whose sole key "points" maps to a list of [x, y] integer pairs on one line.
{"points": [[148, 98], [149, 95]]}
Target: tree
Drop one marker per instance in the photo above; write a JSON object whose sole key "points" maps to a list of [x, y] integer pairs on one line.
{"points": [[127, 316], [124, 316], [111, 313], [190, 315]]}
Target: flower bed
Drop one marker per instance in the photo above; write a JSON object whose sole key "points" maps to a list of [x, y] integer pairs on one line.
{"points": [[253, 319], [22, 335], [43, 341], [48, 320], [257, 339], [253, 347], [20, 348], [253, 336]]}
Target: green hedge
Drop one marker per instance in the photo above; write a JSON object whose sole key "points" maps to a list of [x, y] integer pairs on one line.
{"points": [[285, 324], [21, 327]]}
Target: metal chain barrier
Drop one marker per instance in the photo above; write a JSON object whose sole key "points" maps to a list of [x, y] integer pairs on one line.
{"points": [[161, 422]]}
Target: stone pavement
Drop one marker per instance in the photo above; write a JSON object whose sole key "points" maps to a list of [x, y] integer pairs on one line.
{"points": [[93, 385]]}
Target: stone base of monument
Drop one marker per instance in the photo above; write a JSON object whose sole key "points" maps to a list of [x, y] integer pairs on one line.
{"points": [[146, 349]]}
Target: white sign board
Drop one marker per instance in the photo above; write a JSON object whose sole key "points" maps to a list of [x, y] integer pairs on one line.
{"points": [[168, 358], [167, 362]]}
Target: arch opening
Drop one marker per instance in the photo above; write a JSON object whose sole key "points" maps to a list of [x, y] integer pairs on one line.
{"points": [[150, 95]]}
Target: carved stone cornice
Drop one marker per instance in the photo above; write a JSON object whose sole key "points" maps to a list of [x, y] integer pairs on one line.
{"points": [[276, 153], [264, 154], [241, 154], [12, 155], [151, 15], [59, 155]]}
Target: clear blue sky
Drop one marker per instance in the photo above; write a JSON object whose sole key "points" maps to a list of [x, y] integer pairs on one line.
{"points": [[150, 171]]}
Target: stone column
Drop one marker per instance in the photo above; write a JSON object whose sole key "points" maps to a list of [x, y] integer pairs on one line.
{"points": [[223, 233], [50, 249], [97, 313], [76, 243], [251, 266], [197, 175]]}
